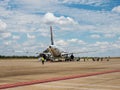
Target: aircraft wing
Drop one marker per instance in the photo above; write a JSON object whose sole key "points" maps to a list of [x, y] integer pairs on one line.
{"points": [[78, 52]]}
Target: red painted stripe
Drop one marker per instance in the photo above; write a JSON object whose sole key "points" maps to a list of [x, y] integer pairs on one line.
{"points": [[4, 86]]}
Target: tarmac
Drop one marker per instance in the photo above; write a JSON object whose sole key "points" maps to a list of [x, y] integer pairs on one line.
{"points": [[89, 75]]}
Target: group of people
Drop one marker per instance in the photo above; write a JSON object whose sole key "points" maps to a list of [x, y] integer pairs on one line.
{"points": [[100, 58], [94, 58]]}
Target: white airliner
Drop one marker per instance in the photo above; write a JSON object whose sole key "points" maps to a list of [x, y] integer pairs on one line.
{"points": [[53, 53]]}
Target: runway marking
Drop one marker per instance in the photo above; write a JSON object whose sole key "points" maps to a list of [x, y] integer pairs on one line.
{"points": [[4, 86]]}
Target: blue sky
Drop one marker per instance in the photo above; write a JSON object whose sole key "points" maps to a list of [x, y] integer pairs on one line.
{"points": [[78, 25]]}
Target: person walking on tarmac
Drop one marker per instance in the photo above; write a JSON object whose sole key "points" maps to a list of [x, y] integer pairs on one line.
{"points": [[72, 57], [43, 60]]}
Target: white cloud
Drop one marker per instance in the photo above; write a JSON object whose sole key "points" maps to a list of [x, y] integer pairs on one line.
{"points": [[73, 40], [61, 43], [81, 42], [3, 25], [30, 36], [115, 45], [7, 43], [116, 9], [50, 18], [95, 36], [86, 27], [44, 34], [15, 37], [25, 30], [109, 35], [102, 45], [86, 2], [36, 7], [44, 31], [5, 35], [76, 41]]}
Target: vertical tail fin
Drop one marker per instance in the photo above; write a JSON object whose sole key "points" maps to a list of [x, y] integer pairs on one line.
{"points": [[52, 42]]}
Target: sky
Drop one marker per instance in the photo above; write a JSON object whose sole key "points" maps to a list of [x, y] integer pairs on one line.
{"points": [[78, 26]]}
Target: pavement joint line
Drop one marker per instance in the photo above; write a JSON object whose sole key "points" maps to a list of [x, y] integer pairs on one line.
{"points": [[91, 85], [72, 87], [4, 86]]}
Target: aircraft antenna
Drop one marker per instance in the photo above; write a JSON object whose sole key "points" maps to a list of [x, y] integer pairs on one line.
{"points": [[52, 42]]}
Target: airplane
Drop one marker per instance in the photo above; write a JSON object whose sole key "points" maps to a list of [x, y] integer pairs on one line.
{"points": [[53, 53]]}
